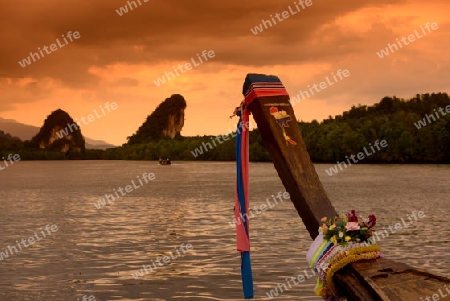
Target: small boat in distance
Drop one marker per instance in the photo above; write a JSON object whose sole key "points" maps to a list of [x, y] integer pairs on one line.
{"points": [[164, 161]]}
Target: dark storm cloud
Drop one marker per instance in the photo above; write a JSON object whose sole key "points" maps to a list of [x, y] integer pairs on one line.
{"points": [[166, 30]]}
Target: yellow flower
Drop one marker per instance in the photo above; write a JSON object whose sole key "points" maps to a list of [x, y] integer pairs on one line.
{"points": [[332, 227], [333, 239], [348, 238]]}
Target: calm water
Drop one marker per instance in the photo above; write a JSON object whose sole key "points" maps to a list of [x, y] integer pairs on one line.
{"points": [[95, 251]]}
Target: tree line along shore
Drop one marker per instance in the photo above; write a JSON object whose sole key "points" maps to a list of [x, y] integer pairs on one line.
{"points": [[417, 131]]}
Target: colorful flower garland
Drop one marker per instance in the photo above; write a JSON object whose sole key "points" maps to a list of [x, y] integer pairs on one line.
{"points": [[341, 240]]}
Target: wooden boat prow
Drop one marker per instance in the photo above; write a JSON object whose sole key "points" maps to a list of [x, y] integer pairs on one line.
{"points": [[380, 279], [385, 279]]}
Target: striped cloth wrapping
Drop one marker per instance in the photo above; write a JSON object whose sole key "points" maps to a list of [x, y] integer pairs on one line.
{"points": [[259, 85], [328, 258]]}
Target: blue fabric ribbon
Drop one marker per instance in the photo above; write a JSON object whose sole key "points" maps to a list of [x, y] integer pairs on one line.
{"points": [[246, 267]]}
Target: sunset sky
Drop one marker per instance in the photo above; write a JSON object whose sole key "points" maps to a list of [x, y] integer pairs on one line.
{"points": [[118, 58]]}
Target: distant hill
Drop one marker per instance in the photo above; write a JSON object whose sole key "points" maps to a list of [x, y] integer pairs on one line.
{"points": [[165, 122], [26, 132], [97, 144], [17, 129]]}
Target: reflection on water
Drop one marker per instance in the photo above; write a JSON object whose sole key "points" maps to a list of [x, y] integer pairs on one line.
{"points": [[95, 251]]}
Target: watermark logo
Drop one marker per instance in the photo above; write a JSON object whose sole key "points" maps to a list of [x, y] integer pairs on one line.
{"points": [[437, 297], [208, 146], [71, 127], [124, 9], [35, 55], [281, 17], [262, 208], [188, 66], [108, 198], [341, 74], [31, 240], [398, 226], [391, 48], [146, 269], [426, 120], [360, 156], [11, 158], [281, 287], [87, 298]]}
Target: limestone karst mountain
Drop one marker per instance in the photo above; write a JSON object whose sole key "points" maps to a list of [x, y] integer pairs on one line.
{"points": [[166, 121], [26, 132], [59, 133]]}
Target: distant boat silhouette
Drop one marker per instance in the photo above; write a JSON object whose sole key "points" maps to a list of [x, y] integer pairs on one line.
{"points": [[164, 161]]}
